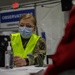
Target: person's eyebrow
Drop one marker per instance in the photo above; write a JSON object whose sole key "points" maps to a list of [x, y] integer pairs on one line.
{"points": [[21, 23]]}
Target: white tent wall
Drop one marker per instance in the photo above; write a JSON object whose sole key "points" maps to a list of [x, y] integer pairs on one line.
{"points": [[50, 19]]}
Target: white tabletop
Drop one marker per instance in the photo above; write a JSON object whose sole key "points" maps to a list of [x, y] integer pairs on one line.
{"points": [[27, 70]]}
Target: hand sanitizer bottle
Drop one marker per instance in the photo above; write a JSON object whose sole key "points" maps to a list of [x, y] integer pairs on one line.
{"points": [[9, 57]]}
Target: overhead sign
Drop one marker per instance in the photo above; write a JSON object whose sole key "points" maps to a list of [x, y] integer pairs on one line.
{"points": [[11, 18]]}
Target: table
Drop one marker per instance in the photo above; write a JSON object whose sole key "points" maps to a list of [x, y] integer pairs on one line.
{"points": [[26, 70]]}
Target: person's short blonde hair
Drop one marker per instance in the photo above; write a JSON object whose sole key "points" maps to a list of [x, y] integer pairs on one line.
{"points": [[28, 16]]}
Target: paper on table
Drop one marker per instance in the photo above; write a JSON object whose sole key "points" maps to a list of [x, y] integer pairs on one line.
{"points": [[25, 69], [16, 68]]}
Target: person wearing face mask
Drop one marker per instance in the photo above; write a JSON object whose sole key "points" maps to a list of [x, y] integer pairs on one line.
{"points": [[28, 48]]}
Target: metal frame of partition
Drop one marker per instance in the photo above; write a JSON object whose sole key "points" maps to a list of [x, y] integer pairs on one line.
{"points": [[30, 4]]}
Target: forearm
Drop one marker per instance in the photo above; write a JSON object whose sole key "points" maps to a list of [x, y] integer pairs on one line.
{"points": [[39, 60], [36, 58]]}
